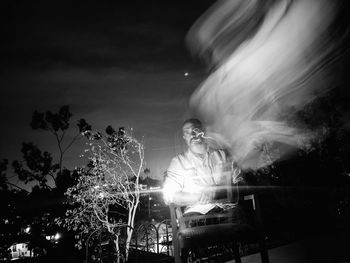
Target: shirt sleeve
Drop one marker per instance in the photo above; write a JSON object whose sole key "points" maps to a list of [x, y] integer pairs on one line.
{"points": [[173, 180]]}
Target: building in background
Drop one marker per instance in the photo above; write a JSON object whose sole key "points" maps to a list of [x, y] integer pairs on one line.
{"points": [[20, 250]]}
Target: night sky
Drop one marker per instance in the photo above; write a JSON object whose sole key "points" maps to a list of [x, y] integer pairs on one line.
{"points": [[119, 63]]}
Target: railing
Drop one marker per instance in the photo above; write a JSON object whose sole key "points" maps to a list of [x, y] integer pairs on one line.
{"points": [[154, 238], [283, 208], [289, 214]]}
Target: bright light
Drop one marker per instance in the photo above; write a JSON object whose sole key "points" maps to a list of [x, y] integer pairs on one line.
{"points": [[186, 74], [57, 236], [27, 230], [48, 237]]}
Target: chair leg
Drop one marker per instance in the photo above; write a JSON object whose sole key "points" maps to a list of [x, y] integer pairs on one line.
{"points": [[177, 253], [263, 252], [184, 255], [236, 252]]}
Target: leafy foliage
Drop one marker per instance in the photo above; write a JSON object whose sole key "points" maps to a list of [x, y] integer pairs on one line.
{"points": [[52, 121], [324, 161], [107, 194], [38, 166]]}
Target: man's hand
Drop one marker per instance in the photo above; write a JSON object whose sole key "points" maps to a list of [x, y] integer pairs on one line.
{"points": [[236, 174]]}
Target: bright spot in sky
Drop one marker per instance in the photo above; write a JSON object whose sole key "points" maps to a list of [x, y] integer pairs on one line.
{"points": [[186, 74]]}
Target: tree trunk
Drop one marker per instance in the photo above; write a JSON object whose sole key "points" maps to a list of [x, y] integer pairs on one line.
{"points": [[129, 231], [130, 227], [117, 249]]}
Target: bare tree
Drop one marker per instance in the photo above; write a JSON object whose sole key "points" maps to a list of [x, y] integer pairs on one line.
{"points": [[107, 194]]}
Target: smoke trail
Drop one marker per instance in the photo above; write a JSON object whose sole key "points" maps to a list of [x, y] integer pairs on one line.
{"points": [[270, 58]]}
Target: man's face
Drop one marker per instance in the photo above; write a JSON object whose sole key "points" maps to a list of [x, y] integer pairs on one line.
{"points": [[189, 131]]}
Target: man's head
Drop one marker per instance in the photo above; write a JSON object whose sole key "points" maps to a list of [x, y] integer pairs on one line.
{"points": [[192, 131]]}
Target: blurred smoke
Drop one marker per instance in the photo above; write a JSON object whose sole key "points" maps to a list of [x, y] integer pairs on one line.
{"points": [[268, 60]]}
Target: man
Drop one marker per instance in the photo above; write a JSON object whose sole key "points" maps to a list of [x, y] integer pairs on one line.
{"points": [[195, 177]]}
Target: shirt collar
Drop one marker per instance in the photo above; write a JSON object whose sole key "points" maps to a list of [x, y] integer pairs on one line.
{"points": [[191, 155]]}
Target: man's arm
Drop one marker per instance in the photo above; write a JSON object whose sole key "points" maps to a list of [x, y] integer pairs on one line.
{"points": [[185, 198], [173, 188], [226, 172]]}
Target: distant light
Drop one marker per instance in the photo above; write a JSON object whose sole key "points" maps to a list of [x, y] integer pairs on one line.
{"points": [[57, 236], [48, 237], [186, 74], [27, 230]]}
